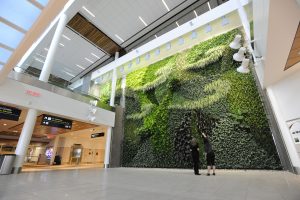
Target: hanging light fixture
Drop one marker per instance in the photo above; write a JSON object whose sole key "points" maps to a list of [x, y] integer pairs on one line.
{"points": [[240, 55], [236, 43]]}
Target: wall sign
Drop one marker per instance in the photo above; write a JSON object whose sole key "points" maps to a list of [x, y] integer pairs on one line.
{"points": [[9, 113], [295, 131], [48, 120], [95, 135], [33, 93]]}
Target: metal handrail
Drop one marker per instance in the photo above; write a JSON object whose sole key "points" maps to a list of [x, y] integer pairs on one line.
{"points": [[31, 80]]}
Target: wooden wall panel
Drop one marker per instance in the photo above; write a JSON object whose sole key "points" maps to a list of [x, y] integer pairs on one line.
{"points": [[294, 56], [89, 31]]}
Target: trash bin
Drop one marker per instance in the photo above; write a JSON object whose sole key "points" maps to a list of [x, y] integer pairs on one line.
{"points": [[6, 163]]}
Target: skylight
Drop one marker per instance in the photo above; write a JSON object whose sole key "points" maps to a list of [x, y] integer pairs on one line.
{"points": [[21, 13], [43, 2], [9, 36], [4, 55]]}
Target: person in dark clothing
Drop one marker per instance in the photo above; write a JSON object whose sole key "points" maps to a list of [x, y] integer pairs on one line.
{"points": [[195, 155], [210, 155]]}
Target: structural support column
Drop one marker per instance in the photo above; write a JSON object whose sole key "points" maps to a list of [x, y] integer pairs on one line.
{"points": [[24, 140], [55, 144], [123, 86], [52, 49], [30, 120], [107, 147], [113, 84], [86, 84]]}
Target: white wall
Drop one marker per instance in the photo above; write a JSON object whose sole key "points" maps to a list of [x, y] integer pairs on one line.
{"points": [[275, 25], [285, 100], [14, 92]]}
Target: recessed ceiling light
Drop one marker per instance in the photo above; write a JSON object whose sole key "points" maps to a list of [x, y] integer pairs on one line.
{"points": [[89, 60], [208, 4], [66, 37], [165, 4], [46, 49], [40, 55], [195, 13], [88, 11], [69, 74], [39, 60], [61, 44], [4, 124], [177, 24], [143, 21], [119, 38], [80, 66], [95, 55]]}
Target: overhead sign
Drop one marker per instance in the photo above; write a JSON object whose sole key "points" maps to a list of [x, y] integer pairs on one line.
{"points": [[9, 113], [58, 122], [95, 135]]}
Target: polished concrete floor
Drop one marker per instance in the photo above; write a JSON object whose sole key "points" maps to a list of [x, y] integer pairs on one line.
{"points": [[36, 168], [149, 184]]}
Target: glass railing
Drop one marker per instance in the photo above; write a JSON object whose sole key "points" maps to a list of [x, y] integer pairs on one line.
{"points": [[58, 89]]}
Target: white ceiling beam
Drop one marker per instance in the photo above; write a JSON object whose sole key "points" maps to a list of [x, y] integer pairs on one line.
{"points": [[14, 26], [36, 4], [205, 18], [4, 46], [48, 14]]}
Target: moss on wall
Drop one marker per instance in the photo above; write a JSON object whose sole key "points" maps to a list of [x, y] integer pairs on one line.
{"points": [[198, 90]]}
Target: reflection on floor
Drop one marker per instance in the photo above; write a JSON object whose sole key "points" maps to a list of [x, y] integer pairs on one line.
{"points": [[149, 184], [32, 168]]}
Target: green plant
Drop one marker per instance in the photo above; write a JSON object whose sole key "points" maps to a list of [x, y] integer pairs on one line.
{"points": [[197, 90]]}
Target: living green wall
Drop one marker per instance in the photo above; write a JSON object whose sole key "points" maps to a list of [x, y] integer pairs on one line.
{"points": [[198, 90]]}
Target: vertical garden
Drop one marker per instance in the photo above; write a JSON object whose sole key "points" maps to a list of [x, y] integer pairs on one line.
{"points": [[194, 91]]}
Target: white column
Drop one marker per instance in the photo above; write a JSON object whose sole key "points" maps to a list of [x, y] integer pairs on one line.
{"points": [[107, 147], [55, 144], [244, 19], [46, 71], [24, 140], [123, 86], [113, 84], [285, 132]]}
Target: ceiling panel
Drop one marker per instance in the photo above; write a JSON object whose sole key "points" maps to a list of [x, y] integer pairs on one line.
{"points": [[122, 17], [76, 51], [89, 31]]}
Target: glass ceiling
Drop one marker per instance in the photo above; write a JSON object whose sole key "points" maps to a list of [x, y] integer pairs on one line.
{"points": [[16, 18]]}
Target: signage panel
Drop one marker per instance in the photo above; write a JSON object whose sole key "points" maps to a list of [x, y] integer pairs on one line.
{"points": [[9, 113], [49, 120]]}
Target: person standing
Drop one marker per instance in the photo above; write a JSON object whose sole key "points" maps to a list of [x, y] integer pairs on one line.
{"points": [[210, 155], [195, 155]]}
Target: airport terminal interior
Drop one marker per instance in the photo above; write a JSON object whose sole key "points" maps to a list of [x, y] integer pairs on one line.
{"points": [[160, 99]]}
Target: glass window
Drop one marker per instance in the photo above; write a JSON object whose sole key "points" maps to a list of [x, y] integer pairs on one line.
{"points": [[43, 2], [4, 55], [9, 36], [147, 56], [21, 13]]}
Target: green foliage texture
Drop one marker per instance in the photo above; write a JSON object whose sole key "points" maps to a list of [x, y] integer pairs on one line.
{"points": [[198, 90]]}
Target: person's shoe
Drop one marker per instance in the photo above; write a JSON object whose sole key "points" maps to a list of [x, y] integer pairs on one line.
{"points": [[197, 174], [214, 174], [207, 174]]}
